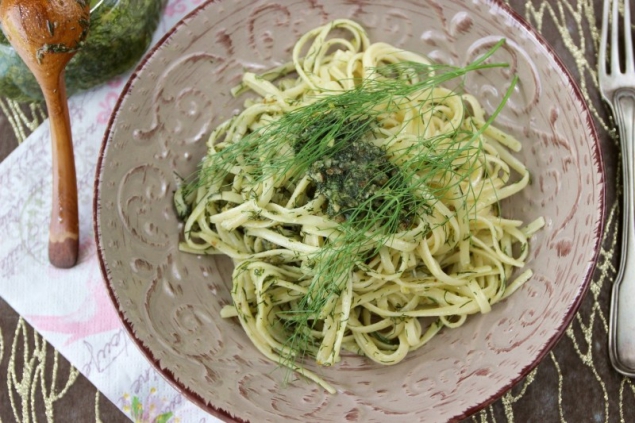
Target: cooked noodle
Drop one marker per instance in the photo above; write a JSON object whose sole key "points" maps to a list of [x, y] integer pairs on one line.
{"points": [[321, 264]]}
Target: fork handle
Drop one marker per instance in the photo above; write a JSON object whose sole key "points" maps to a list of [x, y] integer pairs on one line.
{"points": [[622, 322]]}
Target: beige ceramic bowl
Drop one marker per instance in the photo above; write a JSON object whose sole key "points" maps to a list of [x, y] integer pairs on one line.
{"points": [[170, 301]]}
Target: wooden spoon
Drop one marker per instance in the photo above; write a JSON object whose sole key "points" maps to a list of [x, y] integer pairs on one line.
{"points": [[46, 34]]}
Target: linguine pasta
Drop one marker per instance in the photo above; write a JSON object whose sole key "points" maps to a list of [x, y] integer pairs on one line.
{"points": [[359, 200]]}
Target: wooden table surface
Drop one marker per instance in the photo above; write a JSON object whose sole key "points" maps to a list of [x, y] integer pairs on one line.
{"points": [[574, 383]]}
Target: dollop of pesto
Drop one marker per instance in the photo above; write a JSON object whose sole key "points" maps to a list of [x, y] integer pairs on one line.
{"points": [[352, 175], [356, 176]]}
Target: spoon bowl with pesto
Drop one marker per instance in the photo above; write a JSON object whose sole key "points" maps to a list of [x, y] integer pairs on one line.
{"points": [[120, 32]]}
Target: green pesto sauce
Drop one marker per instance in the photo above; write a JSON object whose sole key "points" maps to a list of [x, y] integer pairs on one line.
{"points": [[355, 175], [120, 32], [351, 176]]}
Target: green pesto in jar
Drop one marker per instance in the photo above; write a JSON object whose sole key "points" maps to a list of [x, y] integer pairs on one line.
{"points": [[120, 32]]}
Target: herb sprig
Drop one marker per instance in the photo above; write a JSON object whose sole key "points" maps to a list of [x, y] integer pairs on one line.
{"points": [[409, 181]]}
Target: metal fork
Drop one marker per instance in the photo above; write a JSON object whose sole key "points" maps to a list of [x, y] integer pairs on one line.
{"points": [[618, 90]]}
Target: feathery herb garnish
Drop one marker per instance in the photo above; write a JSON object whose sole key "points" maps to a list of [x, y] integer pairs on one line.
{"points": [[371, 192]]}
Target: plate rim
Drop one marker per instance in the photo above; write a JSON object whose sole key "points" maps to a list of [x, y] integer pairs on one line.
{"points": [[598, 228]]}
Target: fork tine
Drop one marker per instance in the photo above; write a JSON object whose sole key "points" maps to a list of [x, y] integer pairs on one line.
{"points": [[628, 37], [604, 37], [615, 54]]}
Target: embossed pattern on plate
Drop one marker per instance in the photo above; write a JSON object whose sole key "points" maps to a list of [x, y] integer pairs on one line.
{"points": [[170, 301]]}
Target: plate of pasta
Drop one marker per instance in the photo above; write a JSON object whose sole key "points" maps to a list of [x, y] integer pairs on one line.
{"points": [[347, 211]]}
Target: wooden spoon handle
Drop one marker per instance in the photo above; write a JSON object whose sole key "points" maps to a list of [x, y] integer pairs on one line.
{"points": [[64, 225], [46, 34]]}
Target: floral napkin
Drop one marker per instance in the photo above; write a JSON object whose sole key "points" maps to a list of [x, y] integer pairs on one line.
{"points": [[71, 308]]}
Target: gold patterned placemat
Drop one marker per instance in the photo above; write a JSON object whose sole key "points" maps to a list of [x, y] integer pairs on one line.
{"points": [[574, 383]]}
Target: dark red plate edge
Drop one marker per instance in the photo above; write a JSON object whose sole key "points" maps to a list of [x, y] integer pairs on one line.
{"points": [[598, 230], [164, 372]]}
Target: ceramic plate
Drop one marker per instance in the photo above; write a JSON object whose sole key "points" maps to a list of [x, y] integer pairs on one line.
{"points": [[170, 301]]}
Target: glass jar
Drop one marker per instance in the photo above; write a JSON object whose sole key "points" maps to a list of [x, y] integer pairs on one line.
{"points": [[120, 32]]}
